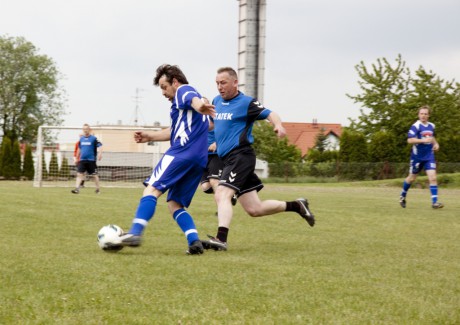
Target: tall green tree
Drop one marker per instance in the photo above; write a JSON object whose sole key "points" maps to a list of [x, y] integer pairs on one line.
{"points": [[44, 169], [30, 94], [16, 161], [54, 166], [28, 170], [321, 141], [11, 159], [64, 171], [442, 96]]}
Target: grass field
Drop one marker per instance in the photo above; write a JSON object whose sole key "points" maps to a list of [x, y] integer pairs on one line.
{"points": [[367, 261]]}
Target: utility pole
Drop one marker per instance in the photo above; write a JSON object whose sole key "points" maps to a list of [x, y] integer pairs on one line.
{"points": [[251, 47], [136, 109]]}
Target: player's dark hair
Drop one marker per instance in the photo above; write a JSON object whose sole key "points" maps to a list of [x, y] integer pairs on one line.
{"points": [[171, 72], [229, 70]]}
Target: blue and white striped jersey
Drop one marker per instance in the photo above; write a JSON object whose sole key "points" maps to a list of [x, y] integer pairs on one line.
{"points": [[418, 130], [189, 129]]}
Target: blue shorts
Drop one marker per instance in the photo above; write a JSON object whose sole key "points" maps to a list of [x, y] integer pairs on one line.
{"points": [[181, 177], [417, 165]]}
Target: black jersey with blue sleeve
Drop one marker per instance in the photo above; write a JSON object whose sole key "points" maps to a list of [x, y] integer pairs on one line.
{"points": [[234, 121]]}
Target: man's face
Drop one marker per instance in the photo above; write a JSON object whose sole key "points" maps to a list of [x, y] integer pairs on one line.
{"points": [[226, 85], [168, 90], [86, 130], [423, 115]]}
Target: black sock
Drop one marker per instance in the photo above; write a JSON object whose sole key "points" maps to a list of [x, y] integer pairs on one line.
{"points": [[293, 206], [222, 234]]}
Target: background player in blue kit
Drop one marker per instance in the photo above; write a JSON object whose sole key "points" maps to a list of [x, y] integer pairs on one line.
{"points": [[89, 149], [235, 116], [422, 137], [179, 170]]}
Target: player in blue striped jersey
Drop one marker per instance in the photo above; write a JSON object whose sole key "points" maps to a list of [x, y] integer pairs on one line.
{"points": [[235, 117], [422, 137], [180, 169]]}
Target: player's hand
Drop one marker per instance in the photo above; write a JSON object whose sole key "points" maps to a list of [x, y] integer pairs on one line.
{"points": [[212, 147], [99, 156], [141, 137], [436, 146], [280, 131], [208, 109], [427, 140]]}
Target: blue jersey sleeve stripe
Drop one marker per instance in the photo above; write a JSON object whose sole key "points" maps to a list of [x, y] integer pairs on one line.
{"points": [[186, 94], [264, 114]]}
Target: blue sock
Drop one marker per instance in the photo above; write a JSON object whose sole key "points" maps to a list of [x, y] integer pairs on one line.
{"points": [[144, 213], [185, 222], [434, 193], [406, 187]]}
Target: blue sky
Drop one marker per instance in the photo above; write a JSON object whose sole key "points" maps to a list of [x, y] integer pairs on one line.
{"points": [[107, 48]]}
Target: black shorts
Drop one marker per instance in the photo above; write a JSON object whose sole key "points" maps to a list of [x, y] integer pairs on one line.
{"points": [[238, 172], [88, 166], [213, 169]]}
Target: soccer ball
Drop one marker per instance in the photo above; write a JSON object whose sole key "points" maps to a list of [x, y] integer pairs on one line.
{"points": [[108, 238]]}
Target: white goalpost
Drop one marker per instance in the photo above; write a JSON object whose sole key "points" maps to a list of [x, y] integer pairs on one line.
{"points": [[124, 162]]}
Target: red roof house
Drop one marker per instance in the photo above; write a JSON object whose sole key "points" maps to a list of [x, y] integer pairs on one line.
{"points": [[303, 135]]}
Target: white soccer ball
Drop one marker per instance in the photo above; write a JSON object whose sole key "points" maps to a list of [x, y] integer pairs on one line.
{"points": [[108, 238]]}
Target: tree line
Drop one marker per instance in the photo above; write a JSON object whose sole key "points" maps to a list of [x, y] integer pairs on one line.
{"points": [[389, 97]]}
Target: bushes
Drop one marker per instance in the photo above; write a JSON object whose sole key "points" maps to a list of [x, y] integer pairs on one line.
{"points": [[28, 170], [11, 159], [11, 166]]}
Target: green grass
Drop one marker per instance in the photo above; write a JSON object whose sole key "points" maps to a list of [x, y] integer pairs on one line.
{"points": [[367, 261]]}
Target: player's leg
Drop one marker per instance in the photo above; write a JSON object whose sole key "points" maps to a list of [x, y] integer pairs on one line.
{"points": [[92, 172], [159, 182], [414, 169], [432, 179], [96, 182], [252, 204], [185, 222], [180, 196], [223, 197], [81, 169], [224, 206]]}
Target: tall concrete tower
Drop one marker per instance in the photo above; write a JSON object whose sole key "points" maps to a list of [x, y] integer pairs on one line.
{"points": [[251, 47]]}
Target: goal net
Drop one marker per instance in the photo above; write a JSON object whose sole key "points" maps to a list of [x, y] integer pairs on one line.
{"points": [[124, 162]]}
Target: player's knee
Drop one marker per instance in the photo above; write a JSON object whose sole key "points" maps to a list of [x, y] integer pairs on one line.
{"points": [[253, 211], [222, 197]]}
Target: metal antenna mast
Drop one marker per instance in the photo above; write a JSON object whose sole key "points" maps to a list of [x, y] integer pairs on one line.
{"points": [[136, 109]]}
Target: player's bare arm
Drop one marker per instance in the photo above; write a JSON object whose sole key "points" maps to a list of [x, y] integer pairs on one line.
{"points": [[77, 154], [99, 153], [278, 127], [435, 144], [162, 135], [422, 140], [202, 107]]}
